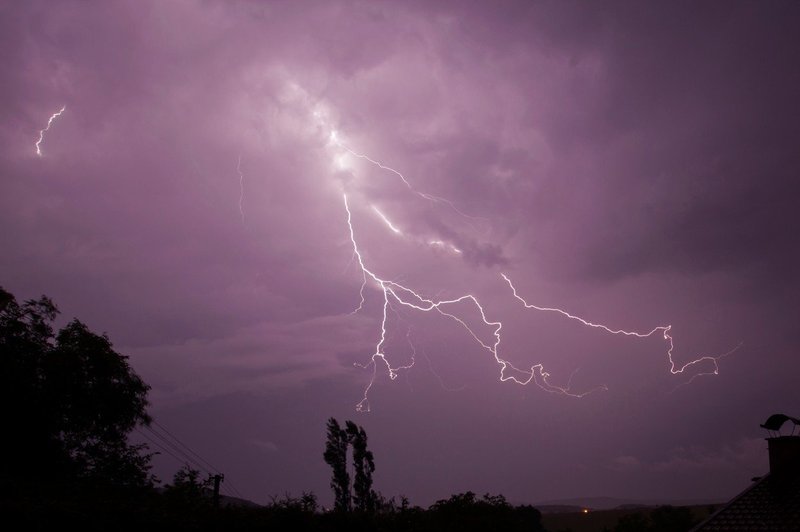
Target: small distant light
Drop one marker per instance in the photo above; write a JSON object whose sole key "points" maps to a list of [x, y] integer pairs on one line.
{"points": [[585, 510]]}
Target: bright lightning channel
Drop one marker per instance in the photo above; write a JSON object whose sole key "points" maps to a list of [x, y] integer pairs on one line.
{"points": [[386, 220], [42, 131]]}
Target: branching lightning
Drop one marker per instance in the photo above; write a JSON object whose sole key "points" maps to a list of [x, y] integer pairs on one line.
{"points": [[394, 293], [664, 329], [402, 295], [42, 131]]}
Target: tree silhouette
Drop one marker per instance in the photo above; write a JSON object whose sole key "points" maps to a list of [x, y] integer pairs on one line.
{"points": [[362, 498], [188, 489], [69, 400], [336, 456], [465, 511], [364, 465]]}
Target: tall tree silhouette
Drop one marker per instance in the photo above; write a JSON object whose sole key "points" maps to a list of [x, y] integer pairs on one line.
{"points": [[336, 456], [68, 400], [363, 465]]}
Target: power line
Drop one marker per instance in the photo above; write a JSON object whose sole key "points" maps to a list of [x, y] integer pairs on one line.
{"points": [[151, 440], [175, 442], [238, 494], [188, 459], [177, 458], [193, 452], [162, 427]]}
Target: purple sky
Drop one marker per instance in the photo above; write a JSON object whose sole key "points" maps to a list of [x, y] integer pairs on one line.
{"points": [[634, 164]]}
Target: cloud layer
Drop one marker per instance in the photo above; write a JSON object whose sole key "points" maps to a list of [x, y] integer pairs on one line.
{"points": [[632, 164]]}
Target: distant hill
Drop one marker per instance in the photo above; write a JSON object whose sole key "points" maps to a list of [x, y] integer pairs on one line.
{"points": [[595, 520], [609, 503], [224, 500], [557, 508]]}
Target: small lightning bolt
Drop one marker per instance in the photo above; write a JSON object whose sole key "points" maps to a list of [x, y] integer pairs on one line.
{"points": [[387, 221], [444, 245], [42, 131], [715, 360], [241, 187]]}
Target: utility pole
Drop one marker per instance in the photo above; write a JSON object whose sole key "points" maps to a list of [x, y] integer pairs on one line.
{"points": [[217, 480]]}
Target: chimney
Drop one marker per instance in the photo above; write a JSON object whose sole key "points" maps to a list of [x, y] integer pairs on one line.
{"points": [[784, 454], [784, 451]]}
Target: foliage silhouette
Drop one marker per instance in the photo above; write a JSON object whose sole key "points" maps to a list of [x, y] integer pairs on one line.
{"points": [[69, 400], [335, 455], [364, 498], [187, 489], [465, 511]]}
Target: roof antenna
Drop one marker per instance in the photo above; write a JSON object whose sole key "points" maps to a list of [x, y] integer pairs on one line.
{"points": [[776, 421]]}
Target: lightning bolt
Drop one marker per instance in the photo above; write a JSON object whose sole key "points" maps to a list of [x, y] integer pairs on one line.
{"points": [[42, 131], [664, 329], [402, 295], [395, 294], [241, 187]]}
